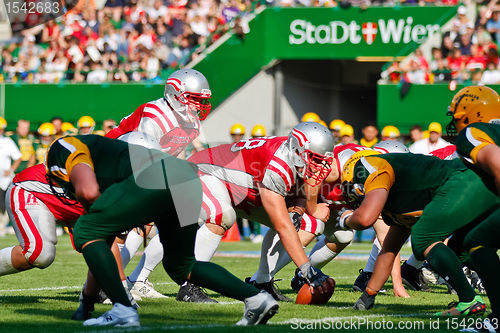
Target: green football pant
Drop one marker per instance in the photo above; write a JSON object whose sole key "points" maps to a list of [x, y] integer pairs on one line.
{"points": [[483, 242], [463, 199]]}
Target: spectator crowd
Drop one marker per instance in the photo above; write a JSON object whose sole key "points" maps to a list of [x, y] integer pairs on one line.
{"points": [[468, 53], [125, 41], [144, 40]]}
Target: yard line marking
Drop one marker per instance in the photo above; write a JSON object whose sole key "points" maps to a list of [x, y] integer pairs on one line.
{"points": [[42, 288]]}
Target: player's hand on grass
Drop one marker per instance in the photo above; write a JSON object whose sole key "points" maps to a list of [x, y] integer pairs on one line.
{"points": [[315, 278], [400, 291], [364, 302]]}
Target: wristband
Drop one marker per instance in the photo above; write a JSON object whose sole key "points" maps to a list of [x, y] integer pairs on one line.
{"points": [[343, 219]]}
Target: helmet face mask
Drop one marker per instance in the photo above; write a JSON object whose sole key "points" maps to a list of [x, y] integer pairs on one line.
{"points": [[317, 166], [187, 91], [311, 148]]}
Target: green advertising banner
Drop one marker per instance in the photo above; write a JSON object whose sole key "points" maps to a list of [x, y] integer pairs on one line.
{"points": [[309, 33], [317, 33], [423, 104]]}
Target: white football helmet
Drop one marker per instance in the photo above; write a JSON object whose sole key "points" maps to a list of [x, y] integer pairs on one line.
{"points": [[311, 148], [390, 146], [188, 89], [141, 139]]}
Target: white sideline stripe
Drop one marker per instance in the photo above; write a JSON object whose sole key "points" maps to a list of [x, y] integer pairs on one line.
{"points": [[157, 283], [42, 288]]}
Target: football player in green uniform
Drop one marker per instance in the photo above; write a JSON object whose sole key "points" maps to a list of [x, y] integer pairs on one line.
{"points": [[475, 115], [426, 198], [123, 186]]}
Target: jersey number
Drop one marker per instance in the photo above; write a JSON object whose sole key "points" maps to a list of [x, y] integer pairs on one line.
{"points": [[250, 143]]}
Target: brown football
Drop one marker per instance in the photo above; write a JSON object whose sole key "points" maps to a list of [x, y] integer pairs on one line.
{"points": [[306, 297]]}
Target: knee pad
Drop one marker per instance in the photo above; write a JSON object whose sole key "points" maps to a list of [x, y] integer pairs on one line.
{"points": [[45, 258], [338, 236], [225, 219]]}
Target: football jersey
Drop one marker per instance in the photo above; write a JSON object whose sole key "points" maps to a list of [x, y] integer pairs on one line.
{"points": [[158, 120], [471, 140], [410, 179], [242, 165], [108, 158], [446, 153], [34, 181]]}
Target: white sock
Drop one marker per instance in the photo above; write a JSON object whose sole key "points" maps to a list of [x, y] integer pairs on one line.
{"points": [[370, 264], [206, 244], [132, 243], [6, 261], [273, 258], [321, 254], [412, 261], [153, 254]]}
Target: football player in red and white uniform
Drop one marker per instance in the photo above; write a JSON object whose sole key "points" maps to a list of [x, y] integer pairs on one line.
{"points": [[251, 178], [334, 240], [174, 119], [174, 122], [34, 211]]}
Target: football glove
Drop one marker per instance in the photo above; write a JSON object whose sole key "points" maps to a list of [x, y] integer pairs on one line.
{"points": [[296, 219], [353, 193], [314, 276], [365, 302], [341, 218]]}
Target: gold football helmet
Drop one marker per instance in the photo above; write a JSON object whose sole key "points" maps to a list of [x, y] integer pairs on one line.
{"points": [[474, 104]]}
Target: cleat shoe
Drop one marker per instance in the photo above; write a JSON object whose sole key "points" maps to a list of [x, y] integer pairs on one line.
{"points": [[298, 280], [474, 280], [258, 309], [119, 316], [474, 308], [361, 281], [191, 293], [271, 288], [412, 278], [85, 309], [144, 289]]}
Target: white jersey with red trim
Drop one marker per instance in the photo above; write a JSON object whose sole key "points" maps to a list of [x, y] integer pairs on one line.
{"points": [[157, 119], [242, 165], [34, 181], [446, 153]]}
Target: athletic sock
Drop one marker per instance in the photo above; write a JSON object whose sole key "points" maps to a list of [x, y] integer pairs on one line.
{"points": [[6, 261], [132, 244], [412, 261], [487, 265], [445, 262], [153, 255], [370, 264], [103, 266], [206, 243], [272, 259], [321, 254], [216, 278], [268, 258]]}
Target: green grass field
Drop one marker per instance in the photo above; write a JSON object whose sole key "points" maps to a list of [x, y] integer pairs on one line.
{"points": [[44, 300]]}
